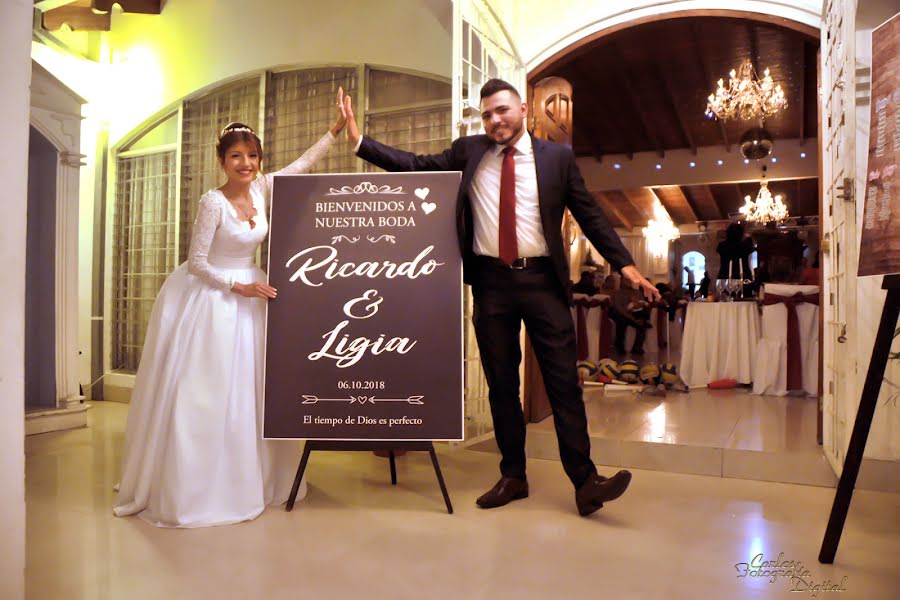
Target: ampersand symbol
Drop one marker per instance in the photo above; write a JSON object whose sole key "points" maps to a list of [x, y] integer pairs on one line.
{"points": [[371, 307]]}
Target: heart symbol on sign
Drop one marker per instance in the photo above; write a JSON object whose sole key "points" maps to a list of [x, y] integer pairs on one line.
{"points": [[422, 193], [427, 207]]}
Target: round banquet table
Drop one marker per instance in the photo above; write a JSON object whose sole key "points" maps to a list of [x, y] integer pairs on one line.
{"points": [[719, 342]]}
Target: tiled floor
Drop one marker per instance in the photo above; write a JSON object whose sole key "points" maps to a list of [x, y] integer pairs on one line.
{"points": [[726, 433], [354, 536], [717, 418]]}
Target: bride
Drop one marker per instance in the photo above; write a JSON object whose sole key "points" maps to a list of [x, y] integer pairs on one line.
{"points": [[194, 454]]}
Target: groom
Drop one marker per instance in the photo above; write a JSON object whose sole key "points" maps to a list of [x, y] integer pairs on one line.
{"points": [[514, 191]]}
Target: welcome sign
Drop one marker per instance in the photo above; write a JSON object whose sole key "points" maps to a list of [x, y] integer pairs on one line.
{"points": [[364, 341]]}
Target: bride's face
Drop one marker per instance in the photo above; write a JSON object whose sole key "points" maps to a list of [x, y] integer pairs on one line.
{"points": [[241, 163]]}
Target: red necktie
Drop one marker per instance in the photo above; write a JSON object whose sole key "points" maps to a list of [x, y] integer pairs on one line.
{"points": [[509, 245]]}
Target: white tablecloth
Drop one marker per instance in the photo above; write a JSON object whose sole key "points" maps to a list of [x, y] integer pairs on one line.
{"points": [[770, 375], [720, 340]]}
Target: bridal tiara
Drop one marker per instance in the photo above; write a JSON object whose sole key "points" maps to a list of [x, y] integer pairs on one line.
{"points": [[236, 129]]}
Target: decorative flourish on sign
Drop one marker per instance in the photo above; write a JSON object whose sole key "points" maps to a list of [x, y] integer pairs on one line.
{"points": [[366, 187], [362, 399], [338, 238], [386, 237]]}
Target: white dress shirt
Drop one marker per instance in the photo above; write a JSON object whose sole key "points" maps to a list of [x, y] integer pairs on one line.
{"points": [[485, 199]]}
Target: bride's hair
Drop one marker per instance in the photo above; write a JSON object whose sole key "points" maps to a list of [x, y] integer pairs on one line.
{"points": [[232, 134]]}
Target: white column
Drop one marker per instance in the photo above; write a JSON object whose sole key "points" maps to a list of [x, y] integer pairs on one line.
{"points": [[15, 79], [67, 392]]}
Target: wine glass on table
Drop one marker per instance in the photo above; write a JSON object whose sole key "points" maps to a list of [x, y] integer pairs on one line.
{"points": [[720, 289]]}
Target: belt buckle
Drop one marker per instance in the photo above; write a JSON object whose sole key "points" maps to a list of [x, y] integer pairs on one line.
{"points": [[519, 264]]}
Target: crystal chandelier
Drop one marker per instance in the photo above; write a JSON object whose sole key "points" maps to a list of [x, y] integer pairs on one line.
{"points": [[765, 208], [747, 96], [660, 230]]}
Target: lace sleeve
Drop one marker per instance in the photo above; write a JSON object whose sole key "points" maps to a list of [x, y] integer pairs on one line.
{"points": [[208, 216], [302, 164]]}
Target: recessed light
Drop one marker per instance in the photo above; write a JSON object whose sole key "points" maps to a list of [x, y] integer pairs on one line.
{"points": [[617, 166], [658, 166], [803, 155], [720, 162], [693, 164], [746, 161], [774, 160]]}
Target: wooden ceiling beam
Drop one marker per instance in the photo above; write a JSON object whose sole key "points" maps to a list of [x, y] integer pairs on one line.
{"points": [[740, 194], [753, 44], [701, 60], [704, 202], [670, 97], [78, 16], [611, 209], [593, 137], [676, 204], [593, 83], [634, 101], [643, 199]]}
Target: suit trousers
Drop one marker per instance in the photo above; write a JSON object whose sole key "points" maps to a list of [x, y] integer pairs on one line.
{"points": [[503, 299]]}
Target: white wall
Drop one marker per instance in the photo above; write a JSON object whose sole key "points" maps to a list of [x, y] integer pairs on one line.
{"points": [[15, 38]]}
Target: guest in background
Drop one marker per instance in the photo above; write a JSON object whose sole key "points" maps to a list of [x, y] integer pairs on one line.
{"points": [[734, 252], [703, 292], [691, 282], [810, 275], [630, 310], [610, 285], [587, 284]]}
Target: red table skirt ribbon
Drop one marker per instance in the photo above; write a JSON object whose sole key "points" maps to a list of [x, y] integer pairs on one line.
{"points": [[794, 364], [582, 305]]}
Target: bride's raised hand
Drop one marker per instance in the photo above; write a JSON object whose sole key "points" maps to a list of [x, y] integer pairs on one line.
{"points": [[341, 119]]}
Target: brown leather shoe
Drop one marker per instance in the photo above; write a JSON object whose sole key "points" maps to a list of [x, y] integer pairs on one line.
{"points": [[505, 491], [599, 489]]}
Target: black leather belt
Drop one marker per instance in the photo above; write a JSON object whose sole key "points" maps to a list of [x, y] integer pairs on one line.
{"points": [[522, 262]]}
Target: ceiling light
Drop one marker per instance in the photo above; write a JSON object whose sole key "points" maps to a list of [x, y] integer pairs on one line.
{"points": [[765, 208], [747, 96], [660, 230]]}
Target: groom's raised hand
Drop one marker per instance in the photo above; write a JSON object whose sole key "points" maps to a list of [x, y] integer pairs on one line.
{"points": [[352, 129]]}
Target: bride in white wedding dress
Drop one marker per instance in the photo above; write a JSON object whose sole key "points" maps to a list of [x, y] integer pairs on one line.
{"points": [[194, 454]]}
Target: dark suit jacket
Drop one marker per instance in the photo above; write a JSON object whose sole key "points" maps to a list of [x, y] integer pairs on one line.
{"points": [[559, 183]]}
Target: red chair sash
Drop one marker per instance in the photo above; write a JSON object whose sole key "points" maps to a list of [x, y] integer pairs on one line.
{"points": [[794, 364], [582, 305]]}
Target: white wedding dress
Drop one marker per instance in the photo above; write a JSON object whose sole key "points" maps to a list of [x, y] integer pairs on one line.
{"points": [[194, 454]]}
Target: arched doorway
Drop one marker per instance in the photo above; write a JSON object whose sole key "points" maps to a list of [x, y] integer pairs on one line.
{"points": [[654, 117], [53, 395]]}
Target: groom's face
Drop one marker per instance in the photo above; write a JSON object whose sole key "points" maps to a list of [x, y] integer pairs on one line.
{"points": [[503, 116]]}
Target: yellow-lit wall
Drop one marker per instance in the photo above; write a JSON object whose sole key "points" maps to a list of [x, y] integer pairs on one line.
{"points": [[150, 62], [197, 43]]}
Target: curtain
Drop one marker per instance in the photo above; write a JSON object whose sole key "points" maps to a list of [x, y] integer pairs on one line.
{"points": [[143, 248]]}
